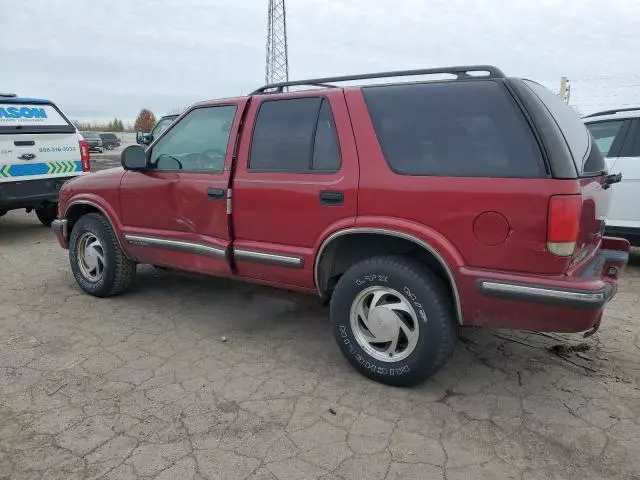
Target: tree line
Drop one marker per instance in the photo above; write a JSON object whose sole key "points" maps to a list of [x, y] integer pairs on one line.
{"points": [[145, 121]]}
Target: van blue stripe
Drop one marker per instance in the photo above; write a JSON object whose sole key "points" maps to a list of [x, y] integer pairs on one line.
{"points": [[44, 168]]}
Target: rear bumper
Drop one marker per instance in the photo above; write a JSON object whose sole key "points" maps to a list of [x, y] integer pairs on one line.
{"points": [[29, 193], [59, 228], [553, 296], [553, 303]]}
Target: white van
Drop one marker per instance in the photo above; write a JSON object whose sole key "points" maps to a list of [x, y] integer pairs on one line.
{"points": [[40, 149]]}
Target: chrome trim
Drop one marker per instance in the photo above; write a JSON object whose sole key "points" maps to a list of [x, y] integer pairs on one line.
{"points": [[61, 225], [178, 245], [596, 297], [229, 195], [103, 212], [268, 258], [392, 233], [286, 182]]}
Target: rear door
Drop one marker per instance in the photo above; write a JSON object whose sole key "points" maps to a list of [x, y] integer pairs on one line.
{"points": [[296, 181], [36, 141]]}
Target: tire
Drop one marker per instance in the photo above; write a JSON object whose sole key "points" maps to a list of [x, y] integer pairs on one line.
{"points": [[117, 271], [110, 147], [423, 321], [47, 213]]}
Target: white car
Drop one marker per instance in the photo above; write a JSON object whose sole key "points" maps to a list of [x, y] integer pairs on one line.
{"points": [[40, 149], [617, 134]]}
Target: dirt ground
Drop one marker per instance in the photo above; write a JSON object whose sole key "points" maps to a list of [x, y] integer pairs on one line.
{"points": [[142, 386]]}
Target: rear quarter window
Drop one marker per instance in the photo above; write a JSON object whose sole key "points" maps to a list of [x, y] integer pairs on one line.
{"points": [[586, 156], [470, 129]]}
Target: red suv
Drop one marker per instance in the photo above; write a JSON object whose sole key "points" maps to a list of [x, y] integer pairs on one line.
{"points": [[413, 207]]}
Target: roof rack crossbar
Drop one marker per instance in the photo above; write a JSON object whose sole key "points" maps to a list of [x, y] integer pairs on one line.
{"points": [[612, 112], [459, 72], [8, 95]]}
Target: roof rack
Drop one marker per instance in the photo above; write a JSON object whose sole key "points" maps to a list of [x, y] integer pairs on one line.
{"points": [[612, 112], [459, 72], [8, 95]]}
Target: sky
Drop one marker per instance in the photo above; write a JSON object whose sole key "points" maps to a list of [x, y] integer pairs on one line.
{"points": [[101, 59]]}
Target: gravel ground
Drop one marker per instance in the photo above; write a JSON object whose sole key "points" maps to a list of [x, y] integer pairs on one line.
{"points": [[142, 386]]}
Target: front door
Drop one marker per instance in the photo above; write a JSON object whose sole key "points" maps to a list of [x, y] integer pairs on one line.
{"points": [[624, 211], [175, 214], [619, 142], [296, 181]]}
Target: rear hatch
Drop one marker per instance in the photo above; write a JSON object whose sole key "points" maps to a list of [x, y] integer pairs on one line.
{"points": [[36, 141], [573, 158]]}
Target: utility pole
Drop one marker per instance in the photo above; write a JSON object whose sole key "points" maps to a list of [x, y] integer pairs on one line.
{"points": [[277, 64], [565, 90]]}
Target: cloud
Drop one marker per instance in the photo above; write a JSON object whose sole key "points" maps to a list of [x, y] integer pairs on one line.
{"points": [[110, 58]]}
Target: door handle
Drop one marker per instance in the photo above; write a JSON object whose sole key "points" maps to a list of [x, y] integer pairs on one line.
{"points": [[329, 197], [216, 193]]}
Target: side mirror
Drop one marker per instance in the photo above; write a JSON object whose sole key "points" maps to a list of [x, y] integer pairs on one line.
{"points": [[143, 138], [133, 158]]}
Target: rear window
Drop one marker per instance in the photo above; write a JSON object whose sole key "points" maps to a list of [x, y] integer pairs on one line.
{"points": [[574, 131], [468, 129], [32, 117]]}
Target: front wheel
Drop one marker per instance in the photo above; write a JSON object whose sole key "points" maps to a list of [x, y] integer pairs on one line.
{"points": [[393, 320], [47, 213], [98, 263]]}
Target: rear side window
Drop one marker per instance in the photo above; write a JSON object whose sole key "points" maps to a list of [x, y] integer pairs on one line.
{"points": [[295, 135], [575, 132], [466, 129], [32, 118]]}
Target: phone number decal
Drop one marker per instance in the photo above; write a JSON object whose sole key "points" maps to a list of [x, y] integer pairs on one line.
{"points": [[57, 149]]}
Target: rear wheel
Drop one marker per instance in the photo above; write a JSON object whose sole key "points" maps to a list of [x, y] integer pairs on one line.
{"points": [[98, 263], [110, 147], [47, 213], [393, 320]]}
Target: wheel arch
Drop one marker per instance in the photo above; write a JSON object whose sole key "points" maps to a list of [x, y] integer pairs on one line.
{"points": [[388, 241], [77, 208]]}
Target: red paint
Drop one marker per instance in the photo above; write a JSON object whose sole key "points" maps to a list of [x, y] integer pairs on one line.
{"points": [[491, 228], [482, 228]]}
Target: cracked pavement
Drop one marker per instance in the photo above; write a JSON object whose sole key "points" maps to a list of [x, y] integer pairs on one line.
{"points": [[141, 386]]}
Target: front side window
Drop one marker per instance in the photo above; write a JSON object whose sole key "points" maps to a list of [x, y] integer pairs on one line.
{"points": [[634, 146], [197, 143], [604, 133], [295, 135]]}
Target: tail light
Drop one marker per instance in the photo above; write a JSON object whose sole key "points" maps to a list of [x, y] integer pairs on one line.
{"points": [[563, 224], [85, 157]]}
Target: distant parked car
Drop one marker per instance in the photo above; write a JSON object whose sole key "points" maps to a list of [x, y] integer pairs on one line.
{"points": [[146, 138], [110, 140], [94, 142], [617, 135]]}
